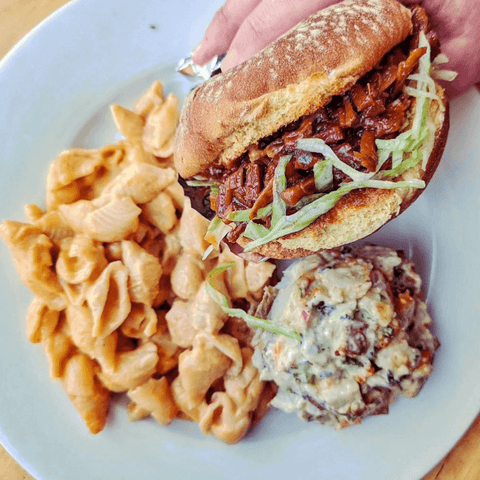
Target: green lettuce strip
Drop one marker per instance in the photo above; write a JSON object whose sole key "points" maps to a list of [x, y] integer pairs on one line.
{"points": [[255, 230], [323, 174], [244, 215], [202, 182], [218, 229], [222, 301], [279, 207], [309, 213], [317, 145]]}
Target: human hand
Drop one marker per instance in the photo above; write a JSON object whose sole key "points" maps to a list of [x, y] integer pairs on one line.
{"points": [[457, 25], [243, 27]]}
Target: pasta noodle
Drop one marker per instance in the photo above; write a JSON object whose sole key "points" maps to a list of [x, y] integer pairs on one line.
{"points": [[106, 219], [58, 348], [187, 276], [121, 305], [228, 416], [109, 300], [141, 322], [80, 257], [53, 225], [152, 98], [168, 351], [192, 230], [80, 325], [31, 251], [160, 125], [132, 368], [129, 123], [142, 182], [199, 368], [70, 166], [161, 212], [89, 397], [41, 321], [144, 272], [155, 397]]}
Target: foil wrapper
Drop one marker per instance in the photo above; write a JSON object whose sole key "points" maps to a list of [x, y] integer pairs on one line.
{"points": [[198, 74]]}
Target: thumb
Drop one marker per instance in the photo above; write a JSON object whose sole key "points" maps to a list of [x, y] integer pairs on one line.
{"points": [[222, 29], [269, 20], [464, 59]]}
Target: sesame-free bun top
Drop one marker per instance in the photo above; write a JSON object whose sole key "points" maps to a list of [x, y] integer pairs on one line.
{"points": [[322, 56]]}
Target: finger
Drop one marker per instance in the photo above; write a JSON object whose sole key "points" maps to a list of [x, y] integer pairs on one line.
{"points": [[464, 58], [457, 26], [269, 20], [222, 29]]}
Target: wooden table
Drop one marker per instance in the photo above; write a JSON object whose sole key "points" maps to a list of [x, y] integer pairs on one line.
{"points": [[17, 17]]}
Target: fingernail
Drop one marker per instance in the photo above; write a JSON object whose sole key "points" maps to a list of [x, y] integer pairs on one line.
{"points": [[195, 55], [230, 61], [196, 49]]}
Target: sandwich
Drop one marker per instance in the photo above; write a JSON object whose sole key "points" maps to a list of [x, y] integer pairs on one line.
{"points": [[321, 138]]}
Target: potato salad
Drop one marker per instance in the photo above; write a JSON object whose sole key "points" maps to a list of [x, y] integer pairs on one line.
{"points": [[364, 335]]}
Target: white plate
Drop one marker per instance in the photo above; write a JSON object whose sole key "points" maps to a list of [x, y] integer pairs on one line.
{"points": [[55, 88]]}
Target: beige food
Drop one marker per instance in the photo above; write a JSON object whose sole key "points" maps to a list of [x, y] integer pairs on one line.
{"points": [[115, 264]]}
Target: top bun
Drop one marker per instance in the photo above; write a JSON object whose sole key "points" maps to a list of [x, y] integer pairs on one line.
{"points": [[322, 56]]}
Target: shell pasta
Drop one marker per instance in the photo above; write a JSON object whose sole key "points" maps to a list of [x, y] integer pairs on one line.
{"points": [[120, 302]]}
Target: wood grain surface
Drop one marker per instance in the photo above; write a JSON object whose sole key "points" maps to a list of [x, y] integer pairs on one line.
{"points": [[18, 17]]}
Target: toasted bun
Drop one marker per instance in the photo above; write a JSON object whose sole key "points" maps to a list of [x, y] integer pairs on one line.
{"points": [[361, 212], [320, 57]]}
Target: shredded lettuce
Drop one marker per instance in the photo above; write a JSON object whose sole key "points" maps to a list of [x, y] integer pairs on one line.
{"points": [[202, 182], [244, 215], [309, 213], [319, 146], [414, 92], [255, 230], [423, 77], [424, 69], [279, 207], [421, 134], [307, 199], [446, 75], [222, 301], [440, 58], [323, 174], [207, 252], [240, 215], [217, 231], [440, 74], [405, 165]]}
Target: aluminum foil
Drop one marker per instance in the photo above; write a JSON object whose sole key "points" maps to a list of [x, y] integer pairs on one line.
{"points": [[197, 74]]}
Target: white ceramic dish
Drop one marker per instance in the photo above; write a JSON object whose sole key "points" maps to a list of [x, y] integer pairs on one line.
{"points": [[55, 88]]}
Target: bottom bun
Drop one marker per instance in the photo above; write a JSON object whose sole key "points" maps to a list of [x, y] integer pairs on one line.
{"points": [[361, 212]]}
